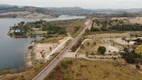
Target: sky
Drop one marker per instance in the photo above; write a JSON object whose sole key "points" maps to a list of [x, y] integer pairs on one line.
{"points": [[89, 4]]}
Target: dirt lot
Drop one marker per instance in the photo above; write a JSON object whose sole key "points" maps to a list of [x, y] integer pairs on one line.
{"points": [[81, 69], [43, 47], [136, 20], [41, 50]]}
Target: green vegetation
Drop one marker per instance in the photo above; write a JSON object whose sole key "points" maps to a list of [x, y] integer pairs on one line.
{"points": [[8, 71], [77, 45], [131, 56], [65, 64], [81, 69], [107, 24], [12, 70], [119, 14], [48, 28], [54, 29], [101, 50]]}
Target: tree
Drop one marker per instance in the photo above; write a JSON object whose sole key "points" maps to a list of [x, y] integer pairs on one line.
{"points": [[66, 63], [94, 43], [50, 48], [137, 66], [101, 50], [88, 43], [129, 55]]}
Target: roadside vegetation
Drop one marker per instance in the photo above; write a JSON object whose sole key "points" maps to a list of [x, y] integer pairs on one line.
{"points": [[77, 45]]}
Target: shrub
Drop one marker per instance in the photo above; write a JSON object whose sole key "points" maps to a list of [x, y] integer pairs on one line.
{"points": [[66, 63], [101, 50], [138, 67]]}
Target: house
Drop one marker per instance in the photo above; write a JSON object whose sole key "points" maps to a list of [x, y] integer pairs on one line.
{"points": [[17, 31]]}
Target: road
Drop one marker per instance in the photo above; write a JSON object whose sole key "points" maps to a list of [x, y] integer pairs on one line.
{"points": [[56, 60]]}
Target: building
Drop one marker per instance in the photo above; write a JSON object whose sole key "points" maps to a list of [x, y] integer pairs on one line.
{"points": [[17, 31]]}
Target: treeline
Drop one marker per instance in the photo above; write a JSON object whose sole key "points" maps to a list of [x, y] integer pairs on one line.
{"points": [[53, 29], [127, 27], [115, 25], [39, 25], [131, 56], [117, 14]]}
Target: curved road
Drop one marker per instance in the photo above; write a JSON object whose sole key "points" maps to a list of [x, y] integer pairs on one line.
{"points": [[56, 60]]}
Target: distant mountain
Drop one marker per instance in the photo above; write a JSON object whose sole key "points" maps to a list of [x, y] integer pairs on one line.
{"points": [[69, 11], [5, 11], [119, 10], [5, 5], [134, 10], [9, 8]]}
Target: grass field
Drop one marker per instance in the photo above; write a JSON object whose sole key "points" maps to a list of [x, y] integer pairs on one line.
{"points": [[80, 69]]}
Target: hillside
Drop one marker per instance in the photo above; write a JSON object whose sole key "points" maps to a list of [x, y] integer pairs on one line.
{"points": [[49, 12], [18, 11], [70, 11], [23, 12]]}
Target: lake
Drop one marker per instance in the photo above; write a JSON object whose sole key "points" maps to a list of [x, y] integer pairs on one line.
{"points": [[13, 50]]}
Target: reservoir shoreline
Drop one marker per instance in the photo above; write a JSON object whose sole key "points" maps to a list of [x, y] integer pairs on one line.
{"points": [[14, 50]]}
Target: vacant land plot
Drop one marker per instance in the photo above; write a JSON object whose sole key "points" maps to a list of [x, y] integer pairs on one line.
{"points": [[90, 46], [136, 20], [94, 40], [81, 69], [72, 26]]}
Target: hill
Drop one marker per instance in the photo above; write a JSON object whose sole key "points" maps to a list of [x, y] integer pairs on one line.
{"points": [[23, 12], [69, 11], [46, 12]]}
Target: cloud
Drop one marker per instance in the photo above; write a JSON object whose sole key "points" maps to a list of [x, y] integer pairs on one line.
{"points": [[129, 2]]}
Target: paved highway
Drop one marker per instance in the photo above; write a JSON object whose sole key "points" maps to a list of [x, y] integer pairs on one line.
{"points": [[57, 59]]}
